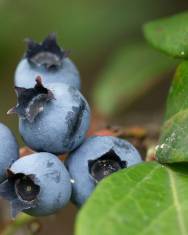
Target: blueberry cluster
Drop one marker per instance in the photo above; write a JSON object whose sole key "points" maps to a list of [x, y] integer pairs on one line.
{"points": [[54, 118]]}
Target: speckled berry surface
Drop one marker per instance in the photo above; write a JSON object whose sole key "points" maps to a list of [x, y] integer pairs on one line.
{"points": [[9, 150], [26, 73], [53, 179], [62, 125]]}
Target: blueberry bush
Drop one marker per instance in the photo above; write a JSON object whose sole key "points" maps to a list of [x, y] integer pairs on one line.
{"points": [[151, 198], [117, 189]]}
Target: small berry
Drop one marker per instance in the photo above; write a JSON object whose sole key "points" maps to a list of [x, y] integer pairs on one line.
{"points": [[48, 60], [37, 184], [96, 158], [54, 118], [9, 150]]}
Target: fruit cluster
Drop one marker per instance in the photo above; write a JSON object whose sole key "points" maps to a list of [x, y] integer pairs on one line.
{"points": [[54, 118]]}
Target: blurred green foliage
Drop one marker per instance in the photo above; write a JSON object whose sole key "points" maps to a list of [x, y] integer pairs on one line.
{"points": [[93, 30], [169, 35], [21, 221], [132, 71]]}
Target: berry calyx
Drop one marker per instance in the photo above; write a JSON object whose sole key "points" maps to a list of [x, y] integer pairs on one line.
{"points": [[47, 53], [31, 101], [21, 190], [26, 189]]}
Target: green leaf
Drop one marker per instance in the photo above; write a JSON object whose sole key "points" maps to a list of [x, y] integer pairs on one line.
{"points": [[128, 75], [174, 138], [169, 35], [178, 94], [142, 200]]}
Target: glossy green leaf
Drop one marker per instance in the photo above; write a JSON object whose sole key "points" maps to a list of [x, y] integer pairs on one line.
{"points": [[169, 35], [142, 200], [174, 138], [129, 74], [178, 93]]}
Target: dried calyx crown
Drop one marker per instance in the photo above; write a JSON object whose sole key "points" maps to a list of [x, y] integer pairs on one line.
{"points": [[31, 101], [46, 53], [21, 190], [105, 165]]}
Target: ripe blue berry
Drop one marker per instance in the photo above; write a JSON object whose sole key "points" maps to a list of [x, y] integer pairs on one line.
{"points": [[96, 158], [37, 184], [54, 118], [8, 150], [48, 60]]}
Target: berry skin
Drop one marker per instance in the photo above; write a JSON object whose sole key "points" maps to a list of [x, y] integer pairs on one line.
{"points": [[48, 60], [96, 158], [9, 150], [37, 184], [52, 119]]}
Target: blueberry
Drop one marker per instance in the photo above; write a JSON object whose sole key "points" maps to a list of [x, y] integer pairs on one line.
{"points": [[52, 119], [9, 150], [37, 184], [96, 158], [48, 60]]}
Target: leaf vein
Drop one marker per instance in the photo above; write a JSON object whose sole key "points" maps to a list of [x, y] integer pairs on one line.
{"points": [[108, 213], [177, 204]]}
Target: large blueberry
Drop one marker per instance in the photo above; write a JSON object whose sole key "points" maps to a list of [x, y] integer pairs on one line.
{"points": [[9, 150], [54, 118], [37, 184], [48, 60], [96, 158]]}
